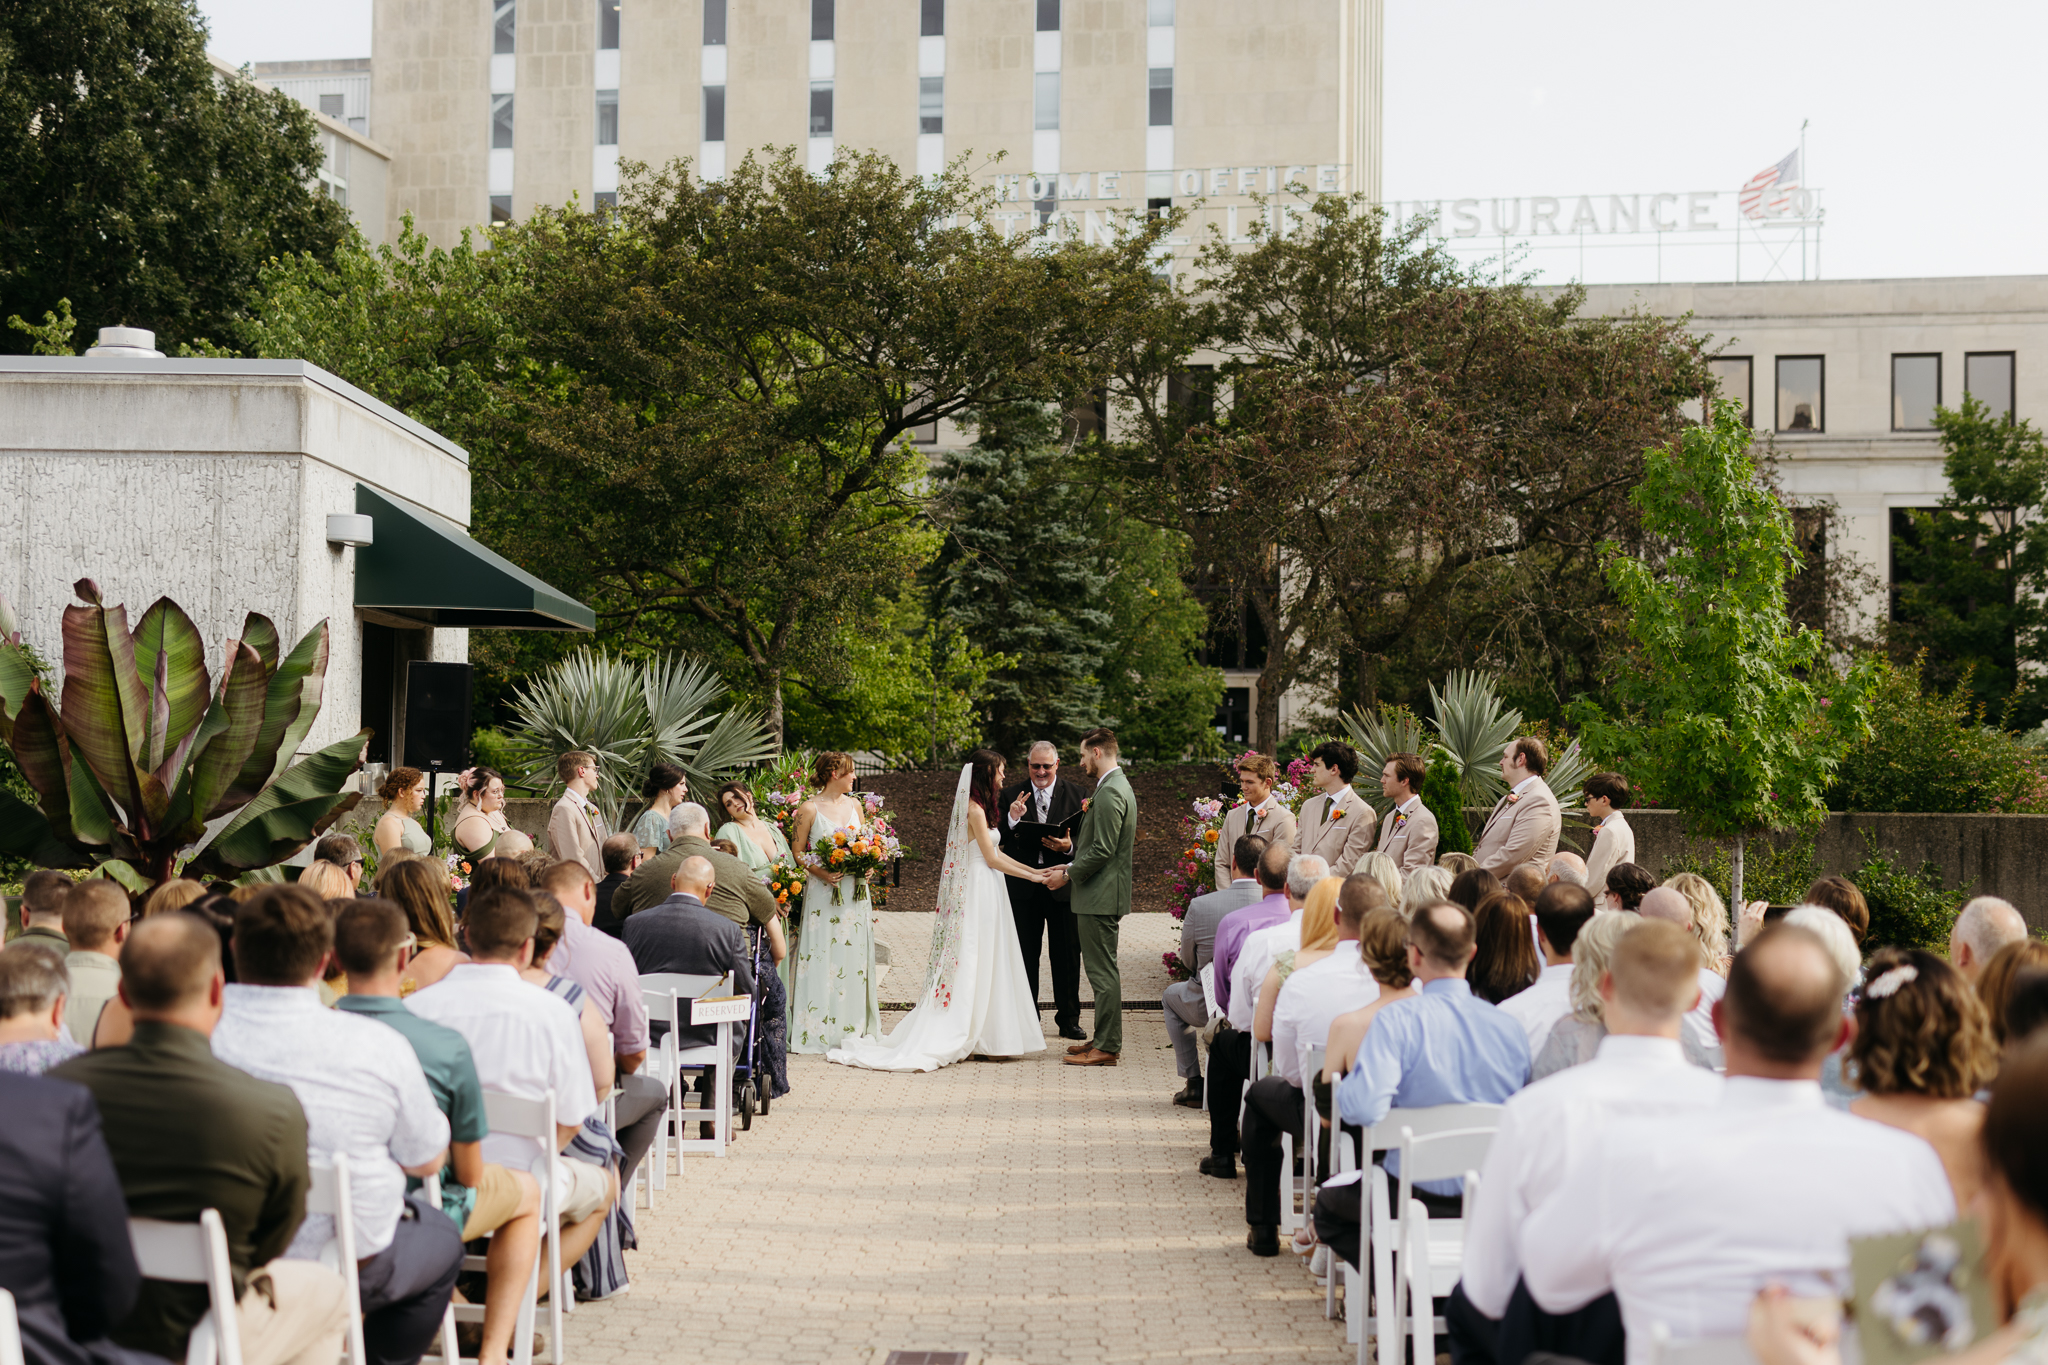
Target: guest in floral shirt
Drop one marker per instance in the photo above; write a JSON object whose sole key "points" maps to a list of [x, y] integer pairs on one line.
{"points": [[33, 989]]}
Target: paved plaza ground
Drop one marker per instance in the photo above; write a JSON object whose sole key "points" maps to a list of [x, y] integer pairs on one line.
{"points": [[1021, 1211]]}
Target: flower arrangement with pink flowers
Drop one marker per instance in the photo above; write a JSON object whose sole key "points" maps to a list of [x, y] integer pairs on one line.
{"points": [[1194, 872], [1176, 969]]}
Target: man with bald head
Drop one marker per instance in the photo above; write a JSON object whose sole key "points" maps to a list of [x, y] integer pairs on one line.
{"points": [[683, 934], [1567, 867], [1683, 1217], [1663, 903], [1985, 925]]}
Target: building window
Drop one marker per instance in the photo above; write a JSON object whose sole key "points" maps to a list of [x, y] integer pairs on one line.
{"points": [[1048, 16], [1045, 208], [714, 113], [821, 108], [1987, 376], [607, 118], [714, 23], [931, 104], [821, 19], [503, 27], [1799, 394], [1088, 417], [501, 208], [1159, 114], [1158, 208], [330, 105], [608, 25], [1736, 377], [1916, 391], [1159, 13], [931, 19], [606, 199], [501, 122], [1046, 100], [1193, 392], [1234, 713]]}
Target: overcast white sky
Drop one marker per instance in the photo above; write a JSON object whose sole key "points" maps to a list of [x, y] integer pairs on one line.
{"points": [[1925, 137]]}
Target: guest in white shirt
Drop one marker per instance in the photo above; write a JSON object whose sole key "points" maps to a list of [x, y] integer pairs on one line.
{"points": [[1639, 1071], [365, 1097], [1670, 905], [1684, 1218], [1255, 959], [1304, 1003], [1561, 911], [526, 1041], [1614, 843]]}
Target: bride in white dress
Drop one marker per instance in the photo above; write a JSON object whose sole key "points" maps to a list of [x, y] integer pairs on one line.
{"points": [[976, 1000]]}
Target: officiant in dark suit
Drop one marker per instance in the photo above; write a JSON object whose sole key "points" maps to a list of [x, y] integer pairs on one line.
{"points": [[1041, 913]]}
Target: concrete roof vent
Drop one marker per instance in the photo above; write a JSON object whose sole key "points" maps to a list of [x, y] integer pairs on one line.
{"points": [[126, 343]]}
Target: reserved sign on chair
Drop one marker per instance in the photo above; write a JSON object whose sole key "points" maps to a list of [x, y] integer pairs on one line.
{"points": [[724, 1009]]}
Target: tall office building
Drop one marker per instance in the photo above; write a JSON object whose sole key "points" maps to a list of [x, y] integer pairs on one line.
{"points": [[492, 107]]}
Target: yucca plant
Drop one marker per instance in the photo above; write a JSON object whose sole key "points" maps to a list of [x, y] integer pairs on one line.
{"points": [[144, 753], [1473, 725], [1378, 736], [630, 716]]}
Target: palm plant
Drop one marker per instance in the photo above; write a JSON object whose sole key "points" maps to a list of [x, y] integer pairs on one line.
{"points": [[1471, 730], [630, 716]]}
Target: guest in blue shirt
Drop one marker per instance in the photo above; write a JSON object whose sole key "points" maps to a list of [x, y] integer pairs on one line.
{"points": [[1445, 1046]]}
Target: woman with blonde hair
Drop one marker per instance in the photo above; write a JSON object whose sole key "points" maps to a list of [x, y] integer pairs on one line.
{"points": [[1318, 941], [1456, 863], [174, 894], [419, 887], [327, 881], [1383, 870], [1709, 918], [1425, 886], [1994, 987]]}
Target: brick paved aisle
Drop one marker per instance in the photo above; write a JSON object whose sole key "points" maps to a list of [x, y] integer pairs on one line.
{"points": [[1023, 1210]]}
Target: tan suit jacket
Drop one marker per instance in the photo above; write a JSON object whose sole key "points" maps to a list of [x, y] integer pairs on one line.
{"points": [[1276, 823], [1410, 840], [574, 832], [1340, 842], [1521, 830], [1613, 845]]}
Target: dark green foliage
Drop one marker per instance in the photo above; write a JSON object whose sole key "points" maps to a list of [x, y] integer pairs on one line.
{"points": [[1928, 751], [1970, 577], [1445, 797], [1161, 703], [1908, 908], [134, 181], [1776, 870]]}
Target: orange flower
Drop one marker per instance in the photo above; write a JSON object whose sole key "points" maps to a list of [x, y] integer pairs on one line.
{"points": [[1209, 835], [838, 855]]}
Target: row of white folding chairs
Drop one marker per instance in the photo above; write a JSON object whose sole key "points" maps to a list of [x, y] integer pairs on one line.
{"points": [[677, 999], [515, 1116]]}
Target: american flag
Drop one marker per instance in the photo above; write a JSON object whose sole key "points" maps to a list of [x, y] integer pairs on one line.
{"points": [[1769, 191]]}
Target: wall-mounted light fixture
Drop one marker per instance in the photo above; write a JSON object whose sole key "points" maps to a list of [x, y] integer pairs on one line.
{"points": [[350, 528]]}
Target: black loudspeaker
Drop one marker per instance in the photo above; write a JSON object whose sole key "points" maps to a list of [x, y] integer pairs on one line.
{"points": [[437, 715]]}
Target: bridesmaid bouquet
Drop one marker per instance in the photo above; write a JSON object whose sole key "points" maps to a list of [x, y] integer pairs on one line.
{"points": [[856, 853], [786, 884]]}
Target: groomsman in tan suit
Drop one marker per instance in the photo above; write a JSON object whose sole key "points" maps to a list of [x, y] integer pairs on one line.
{"points": [[1614, 843], [1336, 826], [1261, 813], [1410, 832], [575, 828], [1524, 826]]}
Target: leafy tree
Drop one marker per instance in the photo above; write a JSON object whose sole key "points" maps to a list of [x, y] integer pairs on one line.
{"points": [[137, 183], [1930, 751], [912, 688], [1161, 703], [1972, 577], [1733, 715]]}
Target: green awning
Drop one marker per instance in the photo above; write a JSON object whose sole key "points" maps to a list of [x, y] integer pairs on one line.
{"points": [[440, 577]]}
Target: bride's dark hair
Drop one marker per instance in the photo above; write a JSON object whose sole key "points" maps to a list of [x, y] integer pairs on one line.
{"points": [[981, 783]]}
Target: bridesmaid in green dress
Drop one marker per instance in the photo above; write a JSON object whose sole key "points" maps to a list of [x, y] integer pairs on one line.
{"points": [[665, 789], [405, 795], [832, 994], [760, 843]]}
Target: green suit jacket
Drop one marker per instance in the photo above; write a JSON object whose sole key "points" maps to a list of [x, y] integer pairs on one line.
{"points": [[1101, 870]]}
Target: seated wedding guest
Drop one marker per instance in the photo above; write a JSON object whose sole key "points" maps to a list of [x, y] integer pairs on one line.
{"points": [[1383, 870], [1983, 926], [96, 918], [326, 881], [1561, 911], [1230, 1050], [1383, 949], [345, 853], [1995, 983], [34, 994], [1446, 1046], [621, 854], [189, 1132], [1667, 904], [1709, 918], [1317, 934], [480, 1197], [1308, 999], [1841, 895], [738, 894], [1505, 964], [1526, 882], [1614, 843], [525, 1042], [365, 1096], [1262, 947], [1575, 1039], [1923, 1050], [1638, 1071], [65, 1254], [1457, 863], [1567, 867], [2026, 1006], [479, 817], [1424, 886], [1836, 935], [1472, 886], [1184, 1007], [505, 870], [175, 894], [404, 795], [683, 934], [420, 890], [43, 893], [664, 790], [549, 919], [1681, 1218], [1625, 887]]}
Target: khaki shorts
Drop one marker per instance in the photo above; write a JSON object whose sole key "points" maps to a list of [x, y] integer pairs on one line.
{"points": [[497, 1199], [585, 1190]]}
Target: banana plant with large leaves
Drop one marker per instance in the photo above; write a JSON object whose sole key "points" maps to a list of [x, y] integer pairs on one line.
{"points": [[146, 752]]}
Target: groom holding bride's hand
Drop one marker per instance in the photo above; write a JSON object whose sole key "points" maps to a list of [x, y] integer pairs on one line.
{"points": [[1101, 877]]}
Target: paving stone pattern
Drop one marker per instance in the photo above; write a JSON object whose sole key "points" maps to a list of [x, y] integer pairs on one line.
{"points": [[1024, 1211], [908, 936]]}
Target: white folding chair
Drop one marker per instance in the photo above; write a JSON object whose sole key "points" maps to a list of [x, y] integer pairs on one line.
{"points": [[330, 1194], [660, 1064], [1432, 1249], [10, 1332], [1305, 1184], [1207, 976], [195, 1253], [670, 991], [1702, 1350], [514, 1116]]}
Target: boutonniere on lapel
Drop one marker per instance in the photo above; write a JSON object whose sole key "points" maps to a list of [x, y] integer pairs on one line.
{"points": [[1400, 821], [1086, 802], [1336, 811], [1514, 797]]}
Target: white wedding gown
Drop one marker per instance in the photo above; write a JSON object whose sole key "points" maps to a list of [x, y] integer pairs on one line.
{"points": [[976, 1000]]}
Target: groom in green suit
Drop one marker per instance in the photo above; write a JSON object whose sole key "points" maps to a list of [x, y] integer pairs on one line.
{"points": [[1101, 877]]}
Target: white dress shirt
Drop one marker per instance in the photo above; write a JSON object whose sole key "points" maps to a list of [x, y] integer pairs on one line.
{"points": [[526, 1041], [1685, 1218], [1699, 1021], [1539, 1006], [1544, 1130], [1310, 998], [1614, 843], [364, 1095], [1254, 960]]}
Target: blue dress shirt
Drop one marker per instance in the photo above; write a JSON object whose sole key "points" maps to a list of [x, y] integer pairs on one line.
{"points": [[1445, 1046]]}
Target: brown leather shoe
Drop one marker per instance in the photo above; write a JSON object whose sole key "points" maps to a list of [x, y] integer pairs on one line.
{"points": [[1079, 1048], [1092, 1057]]}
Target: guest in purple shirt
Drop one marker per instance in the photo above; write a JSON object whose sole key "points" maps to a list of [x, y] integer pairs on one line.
{"points": [[1230, 1053]]}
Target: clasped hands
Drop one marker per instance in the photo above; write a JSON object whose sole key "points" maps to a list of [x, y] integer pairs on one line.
{"points": [[1054, 878]]}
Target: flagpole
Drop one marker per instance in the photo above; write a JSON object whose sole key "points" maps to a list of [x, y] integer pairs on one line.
{"points": [[1803, 178]]}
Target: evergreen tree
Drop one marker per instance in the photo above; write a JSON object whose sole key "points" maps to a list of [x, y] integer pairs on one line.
{"points": [[1444, 796], [1020, 574]]}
